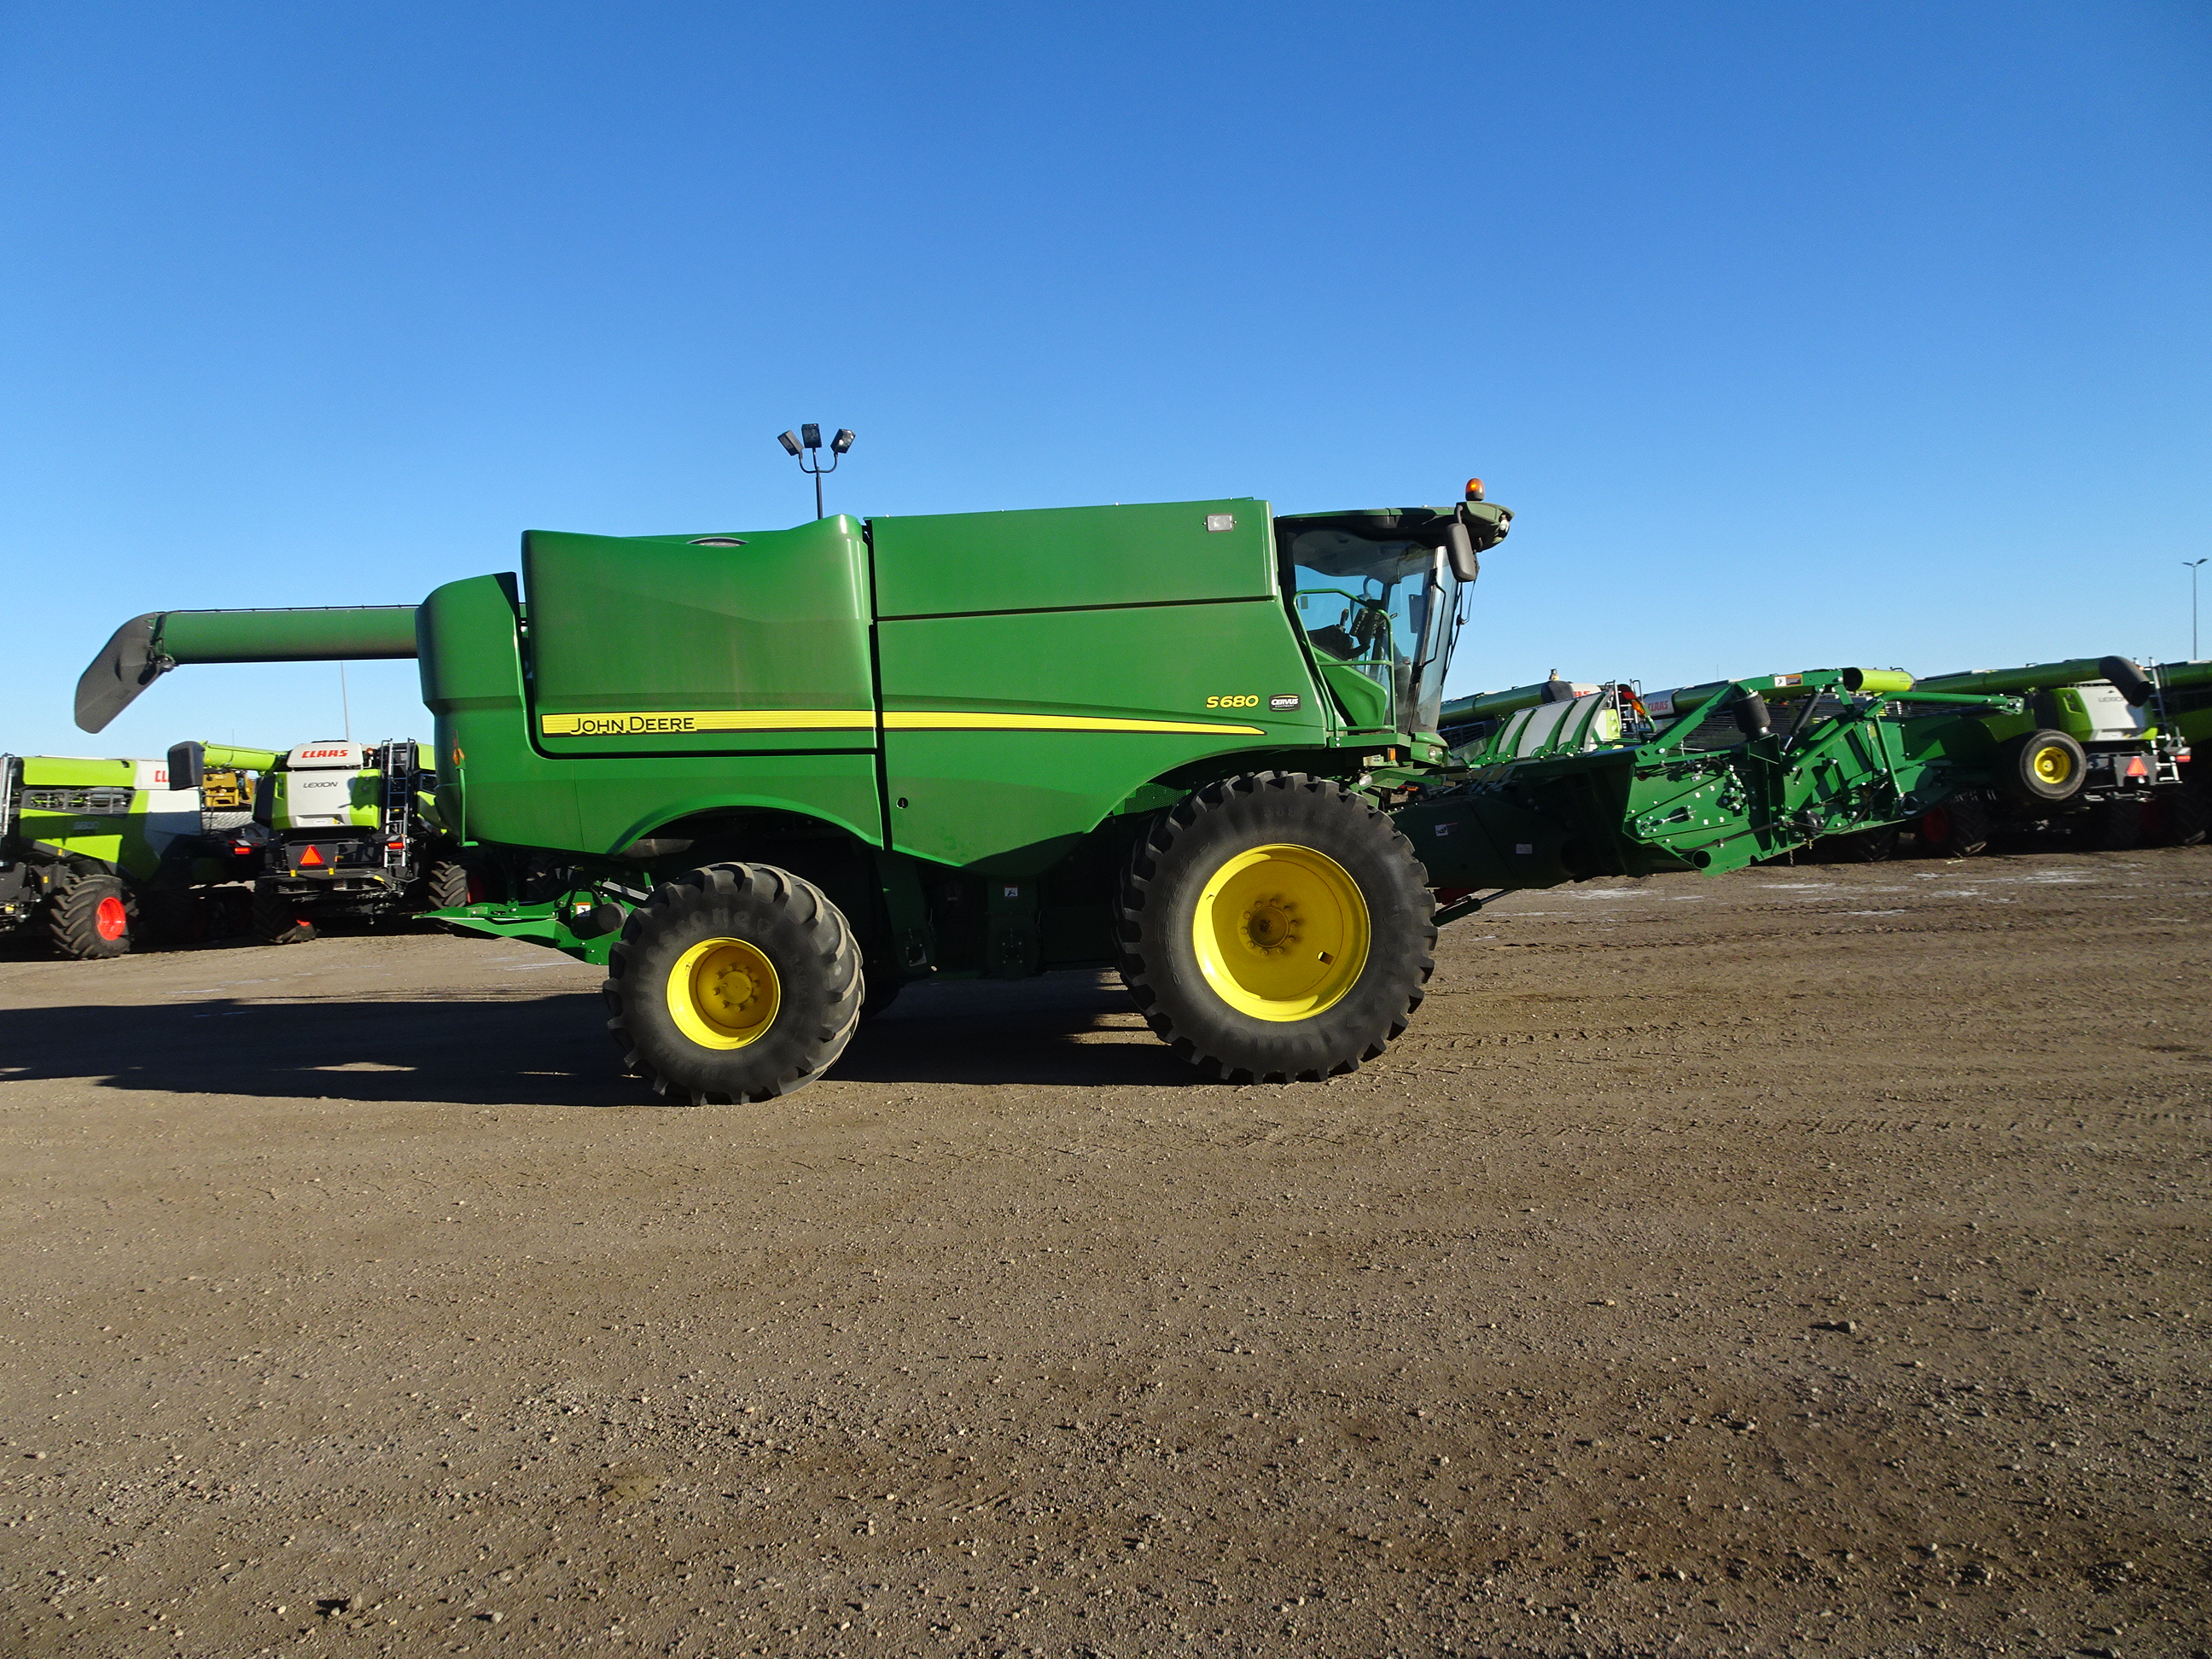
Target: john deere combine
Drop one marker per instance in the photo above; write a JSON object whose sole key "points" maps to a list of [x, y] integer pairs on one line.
{"points": [[765, 778]]}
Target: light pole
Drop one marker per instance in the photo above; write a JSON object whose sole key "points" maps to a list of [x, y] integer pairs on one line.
{"points": [[809, 437], [2191, 566]]}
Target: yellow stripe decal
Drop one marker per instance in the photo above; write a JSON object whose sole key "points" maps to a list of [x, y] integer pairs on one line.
{"points": [[855, 720], [711, 720], [961, 721]]}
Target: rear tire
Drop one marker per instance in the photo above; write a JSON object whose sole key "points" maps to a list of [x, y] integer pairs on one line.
{"points": [[2041, 770], [93, 918], [446, 887], [2189, 808], [280, 920], [2111, 826], [733, 983], [1958, 828], [229, 913], [1859, 847], [1276, 927]]}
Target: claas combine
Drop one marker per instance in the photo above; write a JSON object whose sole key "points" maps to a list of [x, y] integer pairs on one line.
{"points": [[336, 829], [102, 856], [766, 778]]}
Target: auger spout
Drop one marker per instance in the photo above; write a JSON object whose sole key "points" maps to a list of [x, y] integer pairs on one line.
{"points": [[2129, 680], [148, 646]]}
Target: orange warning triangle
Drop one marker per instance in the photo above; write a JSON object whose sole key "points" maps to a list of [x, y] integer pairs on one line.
{"points": [[312, 855]]}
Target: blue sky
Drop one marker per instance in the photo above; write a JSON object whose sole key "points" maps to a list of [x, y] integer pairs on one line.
{"points": [[1797, 336]]}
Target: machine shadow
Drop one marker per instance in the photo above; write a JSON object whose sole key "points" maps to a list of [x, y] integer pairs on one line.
{"points": [[1073, 1029], [553, 1050]]}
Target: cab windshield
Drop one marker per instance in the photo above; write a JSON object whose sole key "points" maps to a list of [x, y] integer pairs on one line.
{"points": [[1379, 610]]}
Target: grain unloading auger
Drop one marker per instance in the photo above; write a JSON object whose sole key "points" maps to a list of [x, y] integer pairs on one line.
{"points": [[766, 778], [336, 828]]}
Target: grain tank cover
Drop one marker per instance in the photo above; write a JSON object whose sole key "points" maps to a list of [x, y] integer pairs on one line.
{"points": [[1073, 557], [676, 645], [326, 753]]}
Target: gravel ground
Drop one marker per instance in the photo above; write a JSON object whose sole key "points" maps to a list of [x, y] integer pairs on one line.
{"points": [[1810, 1261]]}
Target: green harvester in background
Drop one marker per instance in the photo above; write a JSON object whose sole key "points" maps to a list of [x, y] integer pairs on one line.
{"points": [[2092, 746], [104, 856], [766, 778], [2097, 750], [337, 829]]}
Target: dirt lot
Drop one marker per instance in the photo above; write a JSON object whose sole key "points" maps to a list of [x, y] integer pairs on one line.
{"points": [[1812, 1260]]}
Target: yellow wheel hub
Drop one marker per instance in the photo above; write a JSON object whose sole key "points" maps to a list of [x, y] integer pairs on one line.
{"points": [[2053, 765], [723, 993], [1281, 933]]}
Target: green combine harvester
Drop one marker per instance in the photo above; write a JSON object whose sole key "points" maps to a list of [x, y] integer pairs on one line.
{"points": [[103, 857], [337, 829], [766, 778], [2095, 747], [2090, 752]]}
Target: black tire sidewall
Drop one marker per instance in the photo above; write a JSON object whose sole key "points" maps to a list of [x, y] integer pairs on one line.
{"points": [[269, 907], [2189, 810], [1967, 821], [73, 925], [2020, 780], [792, 923], [1400, 931]]}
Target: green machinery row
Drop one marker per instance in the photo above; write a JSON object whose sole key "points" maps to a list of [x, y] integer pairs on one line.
{"points": [[2097, 750], [102, 857], [766, 778]]}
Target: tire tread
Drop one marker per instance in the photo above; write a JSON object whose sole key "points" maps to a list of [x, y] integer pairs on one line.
{"points": [[1142, 875]]}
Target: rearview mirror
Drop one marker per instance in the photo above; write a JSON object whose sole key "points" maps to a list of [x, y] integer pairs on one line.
{"points": [[187, 766], [1459, 548]]}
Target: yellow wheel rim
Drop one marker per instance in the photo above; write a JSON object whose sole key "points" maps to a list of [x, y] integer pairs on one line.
{"points": [[1281, 933], [724, 993], [2053, 765]]}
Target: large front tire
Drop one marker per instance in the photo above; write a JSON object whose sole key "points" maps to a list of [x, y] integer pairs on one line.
{"points": [[92, 917], [735, 984], [1276, 927]]}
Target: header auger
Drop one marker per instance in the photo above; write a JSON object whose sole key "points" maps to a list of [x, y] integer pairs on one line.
{"points": [[768, 777]]}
